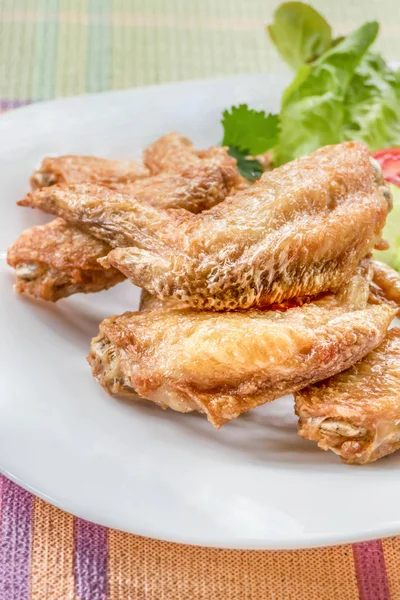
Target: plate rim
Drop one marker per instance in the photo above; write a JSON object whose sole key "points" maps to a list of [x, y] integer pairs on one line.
{"points": [[296, 543], [273, 543]]}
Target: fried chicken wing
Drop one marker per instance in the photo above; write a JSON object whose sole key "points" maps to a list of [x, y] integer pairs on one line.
{"points": [[83, 169], [356, 414], [136, 214], [56, 260], [88, 206], [223, 364], [302, 229], [195, 189], [172, 152], [169, 153], [386, 282]]}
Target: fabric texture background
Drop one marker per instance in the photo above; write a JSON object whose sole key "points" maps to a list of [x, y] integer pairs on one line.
{"points": [[54, 48]]}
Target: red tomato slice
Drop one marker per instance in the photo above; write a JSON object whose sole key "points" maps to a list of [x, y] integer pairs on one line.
{"points": [[389, 159]]}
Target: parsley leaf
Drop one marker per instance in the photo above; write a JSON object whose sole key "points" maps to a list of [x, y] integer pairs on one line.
{"points": [[250, 168], [250, 130]]}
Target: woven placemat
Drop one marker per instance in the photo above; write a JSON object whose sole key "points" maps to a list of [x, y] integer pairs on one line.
{"points": [[47, 554], [52, 48]]}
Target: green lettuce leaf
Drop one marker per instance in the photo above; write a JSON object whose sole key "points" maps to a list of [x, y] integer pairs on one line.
{"points": [[299, 33], [313, 106], [391, 233], [372, 104]]}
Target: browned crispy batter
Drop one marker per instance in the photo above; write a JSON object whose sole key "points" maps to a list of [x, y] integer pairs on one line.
{"points": [[356, 414], [223, 364], [56, 260], [300, 231], [84, 169]]}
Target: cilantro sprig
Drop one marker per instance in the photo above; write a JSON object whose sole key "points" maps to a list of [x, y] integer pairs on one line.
{"points": [[249, 132]]}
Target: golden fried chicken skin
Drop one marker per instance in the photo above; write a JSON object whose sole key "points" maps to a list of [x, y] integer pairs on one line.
{"points": [[223, 364], [83, 169], [356, 413], [301, 230], [173, 152], [169, 153], [56, 260], [196, 188]]}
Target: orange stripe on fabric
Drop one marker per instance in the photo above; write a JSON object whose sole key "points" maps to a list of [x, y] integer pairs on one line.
{"points": [[391, 551], [52, 575], [143, 568]]}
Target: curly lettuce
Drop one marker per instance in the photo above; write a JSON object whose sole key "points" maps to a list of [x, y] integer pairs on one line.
{"points": [[299, 33], [313, 106], [372, 104]]}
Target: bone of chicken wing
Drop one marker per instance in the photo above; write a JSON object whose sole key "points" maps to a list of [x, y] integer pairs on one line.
{"points": [[301, 230], [56, 260], [82, 169], [356, 414], [41, 274], [223, 364]]}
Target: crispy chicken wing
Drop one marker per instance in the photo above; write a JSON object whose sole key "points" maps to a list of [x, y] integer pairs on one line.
{"points": [[56, 260], [172, 152], [83, 169], [386, 282], [223, 364], [118, 219], [356, 414], [302, 229], [169, 153], [197, 188]]}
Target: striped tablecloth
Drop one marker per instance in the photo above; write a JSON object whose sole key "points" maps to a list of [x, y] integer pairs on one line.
{"points": [[52, 48]]}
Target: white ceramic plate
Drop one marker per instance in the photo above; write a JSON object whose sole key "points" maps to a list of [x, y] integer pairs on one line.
{"points": [[254, 483]]}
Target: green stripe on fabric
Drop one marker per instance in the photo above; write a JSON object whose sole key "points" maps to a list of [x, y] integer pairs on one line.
{"points": [[98, 61], [72, 48], [45, 52], [145, 55], [16, 47]]}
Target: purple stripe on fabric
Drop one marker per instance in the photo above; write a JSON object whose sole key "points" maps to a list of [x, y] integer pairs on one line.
{"points": [[15, 542], [2, 480], [371, 571], [7, 104], [90, 560]]}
